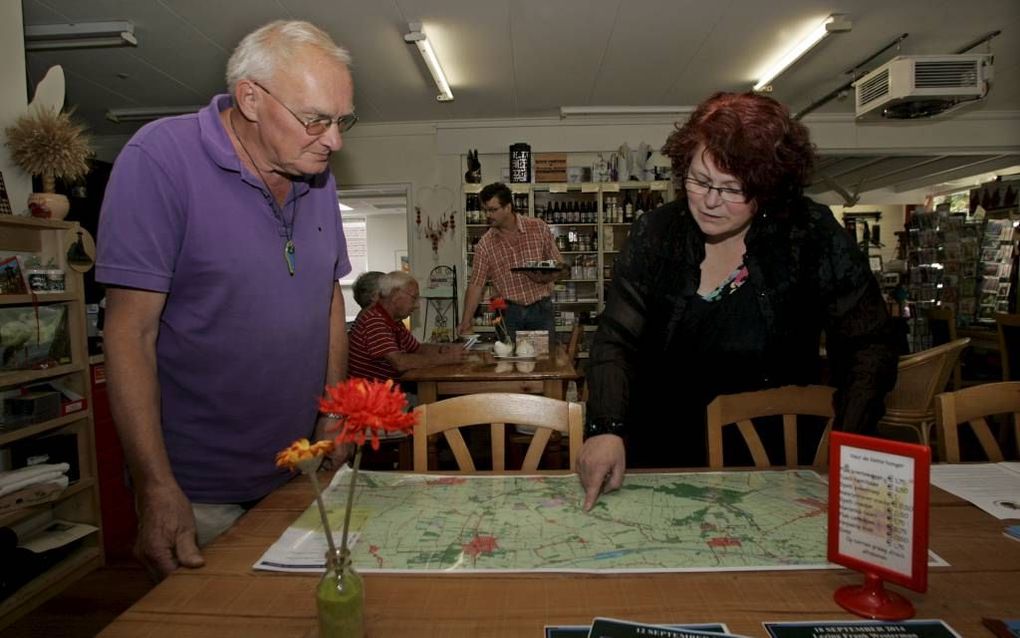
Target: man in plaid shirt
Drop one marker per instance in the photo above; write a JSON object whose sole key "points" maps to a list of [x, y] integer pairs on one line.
{"points": [[512, 240]]}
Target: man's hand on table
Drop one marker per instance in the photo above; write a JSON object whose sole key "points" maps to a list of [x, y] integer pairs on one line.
{"points": [[601, 465], [166, 531]]}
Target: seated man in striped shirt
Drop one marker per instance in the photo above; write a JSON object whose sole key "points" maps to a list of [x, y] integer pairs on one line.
{"points": [[381, 347]]}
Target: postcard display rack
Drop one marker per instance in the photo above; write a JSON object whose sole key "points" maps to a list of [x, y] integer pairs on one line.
{"points": [[43, 342], [942, 256], [997, 272], [590, 223]]}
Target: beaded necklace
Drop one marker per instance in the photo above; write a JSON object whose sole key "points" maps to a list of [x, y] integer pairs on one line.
{"points": [[288, 229]]}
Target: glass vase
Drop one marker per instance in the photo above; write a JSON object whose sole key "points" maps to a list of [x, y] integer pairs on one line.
{"points": [[340, 599]]}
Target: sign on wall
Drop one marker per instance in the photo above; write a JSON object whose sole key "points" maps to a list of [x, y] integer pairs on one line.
{"points": [[357, 248]]}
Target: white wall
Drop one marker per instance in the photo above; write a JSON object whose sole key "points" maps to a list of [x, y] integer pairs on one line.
{"points": [[386, 235], [13, 98]]}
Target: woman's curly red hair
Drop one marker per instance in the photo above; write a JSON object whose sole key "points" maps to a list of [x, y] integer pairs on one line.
{"points": [[753, 138]]}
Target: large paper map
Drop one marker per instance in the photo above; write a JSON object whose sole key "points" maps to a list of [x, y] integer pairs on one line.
{"points": [[656, 522]]}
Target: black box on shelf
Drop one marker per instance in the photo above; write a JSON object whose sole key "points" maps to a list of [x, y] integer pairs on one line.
{"points": [[54, 448], [29, 408]]}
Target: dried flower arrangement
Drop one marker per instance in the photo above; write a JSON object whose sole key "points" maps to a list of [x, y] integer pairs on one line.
{"points": [[46, 142]]}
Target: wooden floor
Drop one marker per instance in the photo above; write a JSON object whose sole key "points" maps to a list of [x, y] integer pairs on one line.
{"points": [[85, 607]]}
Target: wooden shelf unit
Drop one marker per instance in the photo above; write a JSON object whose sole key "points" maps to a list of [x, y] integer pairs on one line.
{"points": [[79, 502]]}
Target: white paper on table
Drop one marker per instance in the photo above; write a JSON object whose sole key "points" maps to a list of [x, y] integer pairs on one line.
{"points": [[994, 487]]}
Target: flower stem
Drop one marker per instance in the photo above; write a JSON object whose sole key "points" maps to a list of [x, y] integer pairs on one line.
{"points": [[322, 513], [350, 502]]}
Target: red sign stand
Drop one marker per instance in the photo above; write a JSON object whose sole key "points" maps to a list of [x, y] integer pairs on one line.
{"points": [[878, 521]]}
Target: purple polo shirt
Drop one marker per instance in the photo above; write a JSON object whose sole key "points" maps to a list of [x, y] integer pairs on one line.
{"points": [[242, 345]]}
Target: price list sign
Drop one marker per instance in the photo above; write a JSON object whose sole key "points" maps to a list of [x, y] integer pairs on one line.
{"points": [[878, 521]]}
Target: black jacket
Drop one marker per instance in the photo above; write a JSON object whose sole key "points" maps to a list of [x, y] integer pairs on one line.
{"points": [[807, 275]]}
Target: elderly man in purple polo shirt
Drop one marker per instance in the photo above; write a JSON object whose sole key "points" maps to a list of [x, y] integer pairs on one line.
{"points": [[221, 244]]}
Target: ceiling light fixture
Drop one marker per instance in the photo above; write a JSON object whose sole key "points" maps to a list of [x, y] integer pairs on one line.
{"points": [[148, 113], [79, 35], [417, 36], [573, 111], [832, 24]]}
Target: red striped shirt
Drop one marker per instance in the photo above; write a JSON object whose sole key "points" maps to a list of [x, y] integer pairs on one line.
{"points": [[497, 252], [374, 335]]}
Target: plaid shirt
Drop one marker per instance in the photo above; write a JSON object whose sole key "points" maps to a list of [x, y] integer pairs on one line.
{"points": [[497, 252]]}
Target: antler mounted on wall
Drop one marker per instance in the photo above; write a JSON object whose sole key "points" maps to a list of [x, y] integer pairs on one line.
{"points": [[439, 198]]}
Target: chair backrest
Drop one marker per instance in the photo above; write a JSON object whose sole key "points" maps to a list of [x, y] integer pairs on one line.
{"points": [[574, 345], [789, 401], [920, 376], [1008, 327], [942, 325], [496, 409], [972, 406]]}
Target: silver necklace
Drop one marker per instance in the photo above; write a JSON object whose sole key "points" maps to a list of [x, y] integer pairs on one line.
{"points": [[288, 229]]}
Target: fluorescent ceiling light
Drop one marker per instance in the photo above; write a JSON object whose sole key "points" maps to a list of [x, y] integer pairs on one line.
{"points": [[147, 113], [832, 24], [572, 111], [344, 207], [417, 35], [79, 35]]}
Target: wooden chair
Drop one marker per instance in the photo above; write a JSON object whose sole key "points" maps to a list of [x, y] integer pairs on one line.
{"points": [[573, 348], [972, 406], [942, 325], [920, 376], [574, 344], [496, 410], [1008, 327], [790, 401]]}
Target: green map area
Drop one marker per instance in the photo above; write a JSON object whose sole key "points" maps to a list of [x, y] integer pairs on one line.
{"points": [[703, 521]]}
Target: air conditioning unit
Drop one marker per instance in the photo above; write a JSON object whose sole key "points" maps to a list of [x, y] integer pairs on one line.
{"points": [[920, 86]]}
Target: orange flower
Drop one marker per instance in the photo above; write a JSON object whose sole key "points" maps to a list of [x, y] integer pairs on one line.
{"points": [[498, 305], [300, 451], [367, 408]]}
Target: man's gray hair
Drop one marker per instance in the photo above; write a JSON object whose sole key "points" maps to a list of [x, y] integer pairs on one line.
{"points": [[274, 46], [393, 281]]}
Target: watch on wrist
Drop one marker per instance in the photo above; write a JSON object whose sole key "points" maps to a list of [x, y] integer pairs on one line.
{"points": [[597, 426]]}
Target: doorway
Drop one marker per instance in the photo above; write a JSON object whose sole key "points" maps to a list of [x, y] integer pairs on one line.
{"points": [[375, 224]]}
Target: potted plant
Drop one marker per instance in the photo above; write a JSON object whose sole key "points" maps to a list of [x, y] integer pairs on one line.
{"points": [[47, 143]]}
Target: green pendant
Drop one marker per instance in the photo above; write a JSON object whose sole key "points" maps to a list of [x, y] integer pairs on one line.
{"points": [[288, 255]]}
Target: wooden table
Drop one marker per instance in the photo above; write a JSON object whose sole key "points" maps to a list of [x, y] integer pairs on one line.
{"points": [[226, 598], [481, 372]]}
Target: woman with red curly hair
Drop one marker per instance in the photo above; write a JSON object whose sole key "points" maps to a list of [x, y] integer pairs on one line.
{"points": [[728, 289]]}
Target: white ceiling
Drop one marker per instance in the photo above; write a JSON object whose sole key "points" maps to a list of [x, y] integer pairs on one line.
{"points": [[526, 58]]}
